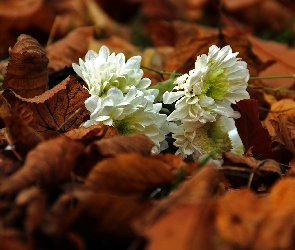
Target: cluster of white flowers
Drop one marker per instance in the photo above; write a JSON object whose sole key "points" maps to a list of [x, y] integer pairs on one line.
{"points": [[203, 119], [203, 112], [120, 97]]}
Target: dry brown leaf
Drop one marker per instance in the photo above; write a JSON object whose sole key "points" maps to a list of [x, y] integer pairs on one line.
{"points": [[34, 202], [20, 137], [238, 216], [59, 109], [251, 130], [49, 163], [111, 147], [95, 215], [69, 49], [284, 132], [12, 239], [27, 73], [19, 17], [277, 229], [186, 227], [128, 174], [284, 106], [183, 219], [9, 164], [94, 132], [266, 172], [284, 65]]}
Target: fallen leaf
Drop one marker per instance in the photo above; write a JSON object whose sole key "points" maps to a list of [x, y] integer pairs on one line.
{"points": [[186, 227], [128, 174], [69, 49], [250, 129], [94, 132], [9, 164], [243, 217], [284, 132], [20, 17], [284, 65], [265, 172], [20, 137], [27, 73], [284, 106], [277, 229], [111, 147], [99, 216], [59, 109], [184, 219], [50, 162]]}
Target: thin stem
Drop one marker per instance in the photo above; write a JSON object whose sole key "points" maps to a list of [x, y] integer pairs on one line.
{"points": [[271, 89], [271, 77], [160, 72], [1, 78]]}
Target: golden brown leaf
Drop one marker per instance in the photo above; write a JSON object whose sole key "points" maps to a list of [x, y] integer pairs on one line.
{"points": [[128, 174], [184, 219], [277, 229], [27, 73], [284, 106], [59, 109], [34, 202], [95, 215], [49, 163], [265, 172], [240, 212], [69, 49], [20, 137], [94, 132], [19, 17], [284, 132]]}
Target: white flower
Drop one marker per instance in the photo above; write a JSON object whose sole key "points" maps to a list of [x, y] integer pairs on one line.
{"points": [[196, 139], [132, 113], [104, 71], [217, 81]]}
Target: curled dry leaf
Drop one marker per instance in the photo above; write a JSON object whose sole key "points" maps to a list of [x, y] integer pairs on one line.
{"points": [[111, 147], [34, 202], [265, 172], [69, 49], [49, 163], [284, 132], [27, 73], [250, 129], [277, 229], [12, 239], [19, 17], [20, 137], [9, 164], [128, 174], [94, 132], [59, 109], [184, 219], [284, 106], [95, 215], [243, 217]]}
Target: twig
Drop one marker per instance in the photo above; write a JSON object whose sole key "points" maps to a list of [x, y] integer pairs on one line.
{"points": [[70, 117], [161, 73]]}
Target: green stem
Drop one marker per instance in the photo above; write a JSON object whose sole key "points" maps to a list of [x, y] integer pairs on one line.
{"points": [[160, 72], [1, 78], [271, 77], [271, 89]]}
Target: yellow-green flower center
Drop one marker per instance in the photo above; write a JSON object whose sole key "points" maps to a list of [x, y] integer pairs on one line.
{"points": [[123, 127], [212, 136], [216, 84]]}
